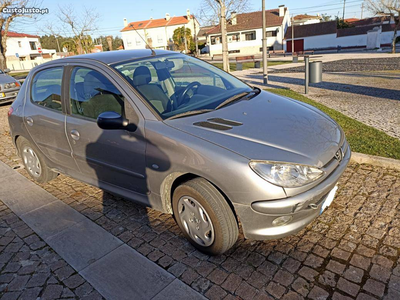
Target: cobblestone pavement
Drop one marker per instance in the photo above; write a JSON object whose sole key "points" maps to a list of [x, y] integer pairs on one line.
{"points": [[369, 97], [30, 269], [350, 252]]}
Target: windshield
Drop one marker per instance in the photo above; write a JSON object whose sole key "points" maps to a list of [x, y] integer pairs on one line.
{"points": [[177, 84]]}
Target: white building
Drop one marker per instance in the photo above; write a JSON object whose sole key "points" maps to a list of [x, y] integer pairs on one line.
{"points": [[23, 46], [245, 32], [157, 33], [306, 19], [368, 33]]}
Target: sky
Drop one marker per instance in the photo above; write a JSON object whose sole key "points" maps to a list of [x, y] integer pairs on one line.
{"points": [[112, 12]]}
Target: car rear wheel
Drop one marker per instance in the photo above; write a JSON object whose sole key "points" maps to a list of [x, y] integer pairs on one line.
{"points": [[204, 216], [34, 162]]}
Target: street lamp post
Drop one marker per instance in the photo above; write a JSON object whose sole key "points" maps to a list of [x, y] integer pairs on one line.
{"points": [[264, 45]]}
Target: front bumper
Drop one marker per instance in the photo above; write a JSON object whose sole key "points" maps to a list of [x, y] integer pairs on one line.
{"points": [[8, 95], [303, 208]]}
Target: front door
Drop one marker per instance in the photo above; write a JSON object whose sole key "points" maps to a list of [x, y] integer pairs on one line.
{"points": [[105, 157], [44, 117]]}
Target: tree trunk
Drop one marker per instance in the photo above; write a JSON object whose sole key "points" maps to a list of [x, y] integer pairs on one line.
{"points": [[395, 37], [224, 37], [3, 61]]}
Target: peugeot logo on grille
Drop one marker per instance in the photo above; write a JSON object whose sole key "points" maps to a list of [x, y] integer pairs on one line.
{"points": [[339, 155]]}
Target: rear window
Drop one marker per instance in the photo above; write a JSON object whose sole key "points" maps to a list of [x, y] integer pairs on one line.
{"points": [[46, 88]]}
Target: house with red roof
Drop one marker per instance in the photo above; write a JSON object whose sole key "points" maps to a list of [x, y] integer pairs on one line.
{"points": [[245, 32], [156, 33], [22, 46]]}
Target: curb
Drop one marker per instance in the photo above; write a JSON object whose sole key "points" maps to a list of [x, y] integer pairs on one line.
{"points": [[378, 161]]}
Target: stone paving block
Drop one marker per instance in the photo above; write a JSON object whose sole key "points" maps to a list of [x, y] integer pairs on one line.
{"points": [[83, 243], [127, 274]]}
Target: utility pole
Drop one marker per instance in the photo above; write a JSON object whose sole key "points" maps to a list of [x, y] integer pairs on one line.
{"points": [[362, 10], [184, 39], [264, 45], [224, 37], [344, 8], [293, 52], [195, 37]]}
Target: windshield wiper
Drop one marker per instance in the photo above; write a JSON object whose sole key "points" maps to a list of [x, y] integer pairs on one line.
{"points": [[190, 113], [241, 96]]}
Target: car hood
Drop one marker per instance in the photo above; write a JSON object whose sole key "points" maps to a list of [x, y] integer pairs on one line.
{"points": [[268, 127], [6, 79]]}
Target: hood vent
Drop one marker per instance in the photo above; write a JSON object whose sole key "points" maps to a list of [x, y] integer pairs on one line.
{"points": [[218, 124]]}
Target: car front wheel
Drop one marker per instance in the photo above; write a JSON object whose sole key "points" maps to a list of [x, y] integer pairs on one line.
{"points": [[204, 216]]}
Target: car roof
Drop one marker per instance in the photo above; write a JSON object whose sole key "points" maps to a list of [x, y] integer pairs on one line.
{"points": [[110, 57]]}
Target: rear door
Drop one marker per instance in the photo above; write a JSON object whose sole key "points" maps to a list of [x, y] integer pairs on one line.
{"points": [[44, 117], [105, 157]]}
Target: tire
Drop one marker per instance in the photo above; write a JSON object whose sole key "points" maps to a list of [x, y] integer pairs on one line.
{"points": [[31, 155], [223, 232]]}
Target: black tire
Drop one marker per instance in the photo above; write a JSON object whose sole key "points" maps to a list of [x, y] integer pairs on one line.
{"points": [[223, 220], [46, 173]]}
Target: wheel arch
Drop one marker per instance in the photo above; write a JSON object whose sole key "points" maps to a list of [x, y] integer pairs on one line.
{"points": [[173, 180]]}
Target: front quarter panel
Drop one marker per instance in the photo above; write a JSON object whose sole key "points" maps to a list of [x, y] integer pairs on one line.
{"points": [[171, 151]]}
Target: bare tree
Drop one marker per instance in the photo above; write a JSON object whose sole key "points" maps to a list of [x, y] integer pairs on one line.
{"points": [[210, 10], [80, 25], [6, 19], [390, 8]]}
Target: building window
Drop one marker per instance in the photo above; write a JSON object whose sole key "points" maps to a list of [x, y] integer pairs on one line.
{"points": [[250, 36], [32, 45], [138, 42], [271, 33], [233, 37], [19, 44], [215, 40], [160, 39]]}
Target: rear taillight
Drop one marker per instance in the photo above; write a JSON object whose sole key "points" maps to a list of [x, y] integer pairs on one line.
{"points": [[10, 111]]}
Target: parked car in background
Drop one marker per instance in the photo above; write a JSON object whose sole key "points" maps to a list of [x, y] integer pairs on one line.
{"points": [[9, 87], [181, 136]]}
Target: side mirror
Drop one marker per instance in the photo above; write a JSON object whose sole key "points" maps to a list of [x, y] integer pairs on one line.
{"points": [[112, 120], [7, 70]]}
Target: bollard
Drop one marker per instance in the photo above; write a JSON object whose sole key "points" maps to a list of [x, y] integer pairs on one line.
{"points": [[315, 72], [307, 77]]}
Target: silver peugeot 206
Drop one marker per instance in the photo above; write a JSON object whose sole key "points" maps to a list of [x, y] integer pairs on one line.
{"points": [[179, 135]]}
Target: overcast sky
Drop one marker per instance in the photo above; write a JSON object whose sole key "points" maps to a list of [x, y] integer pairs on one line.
{"points": [[112, 12]]}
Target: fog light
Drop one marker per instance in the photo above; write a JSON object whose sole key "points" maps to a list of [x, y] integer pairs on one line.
{"points": [[2, 95], [281, 220]]}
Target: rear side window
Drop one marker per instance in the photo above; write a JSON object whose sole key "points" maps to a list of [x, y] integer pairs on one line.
{"points": [[46, 88]]}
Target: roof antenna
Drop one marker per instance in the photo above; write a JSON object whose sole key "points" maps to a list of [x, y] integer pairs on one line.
{"points": [[153, 53]]}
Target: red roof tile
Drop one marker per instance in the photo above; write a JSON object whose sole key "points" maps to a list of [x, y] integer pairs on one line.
{"points": [[16, 34], [252, 20], [302, 17], [312, 30], [153, 23]]}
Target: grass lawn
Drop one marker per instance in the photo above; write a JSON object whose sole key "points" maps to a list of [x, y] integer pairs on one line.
{"points": [[250, 65], [362, 138]]}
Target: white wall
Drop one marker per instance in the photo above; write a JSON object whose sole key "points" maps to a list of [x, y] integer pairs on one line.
{"points": [[331, 41], [23, 50]]}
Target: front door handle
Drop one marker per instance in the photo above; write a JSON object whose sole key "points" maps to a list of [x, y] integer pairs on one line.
{"points": [[29, 121], [75, 134]]}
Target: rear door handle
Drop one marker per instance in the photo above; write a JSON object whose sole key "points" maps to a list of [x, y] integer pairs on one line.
{"points": [[29, 121], [75, 134]]}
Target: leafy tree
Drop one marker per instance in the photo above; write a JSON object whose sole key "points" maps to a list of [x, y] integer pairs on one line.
{"points": [[179, 38], [116, 42], [326, 18]]}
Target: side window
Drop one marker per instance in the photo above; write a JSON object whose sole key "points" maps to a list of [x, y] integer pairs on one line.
{"points": [[46, 88], [91, 94]]}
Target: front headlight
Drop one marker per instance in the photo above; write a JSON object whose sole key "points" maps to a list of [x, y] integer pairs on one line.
{"points": [[287, 175]]}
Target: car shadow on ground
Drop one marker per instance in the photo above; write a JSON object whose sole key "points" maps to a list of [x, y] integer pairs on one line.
{"points": [[333, 86]]}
